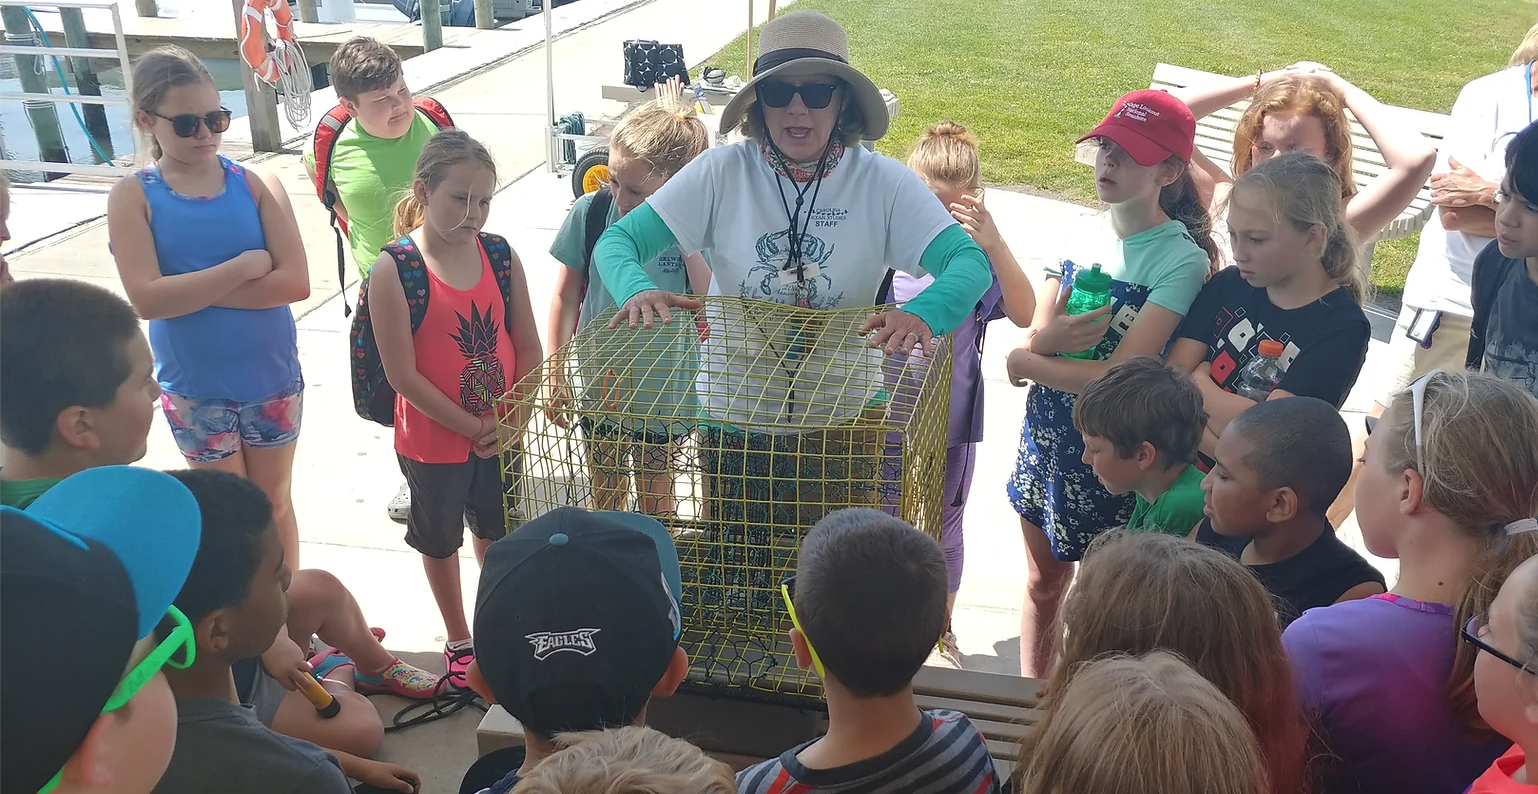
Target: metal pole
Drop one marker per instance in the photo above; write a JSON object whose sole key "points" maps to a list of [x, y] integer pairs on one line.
{"points": [[146, 8], [307, 11], [43, 116], [85, 80], [432, 25], [261, 100], [771, 9], [749, 71], [549, 91], [485, 17]]}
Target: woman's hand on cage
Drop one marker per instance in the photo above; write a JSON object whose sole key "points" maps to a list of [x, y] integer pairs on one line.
{"points": [[899, 332], [1069, 333], [647, 306]]}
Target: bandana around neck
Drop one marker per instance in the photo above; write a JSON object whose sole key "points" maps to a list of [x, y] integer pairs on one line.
{"points": [[797, 172]]}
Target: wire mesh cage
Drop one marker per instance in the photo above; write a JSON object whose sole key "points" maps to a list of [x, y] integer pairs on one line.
{"points": [[738, 428]]}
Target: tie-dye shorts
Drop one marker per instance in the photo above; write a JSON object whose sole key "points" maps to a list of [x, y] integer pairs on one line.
{"points": [[212, 429]]}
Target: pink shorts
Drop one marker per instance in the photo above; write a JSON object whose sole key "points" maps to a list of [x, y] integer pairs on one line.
{"points": [[212, 429]]}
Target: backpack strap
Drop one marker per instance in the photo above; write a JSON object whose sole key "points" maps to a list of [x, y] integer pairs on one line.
{"points": [[323, 144], [500, 254], [412, 269], [593, 225], [435, 112]]}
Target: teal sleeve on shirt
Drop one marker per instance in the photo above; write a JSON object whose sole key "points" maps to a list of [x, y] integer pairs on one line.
{"points": [[961, 276], [567, 248], [637, 238]]}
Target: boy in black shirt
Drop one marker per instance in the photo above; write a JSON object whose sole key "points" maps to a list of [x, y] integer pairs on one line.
{"points": [[1504, 340], [1279, 467]]}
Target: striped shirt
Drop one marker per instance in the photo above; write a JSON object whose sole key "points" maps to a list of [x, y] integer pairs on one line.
{"points": [[944, 755]]}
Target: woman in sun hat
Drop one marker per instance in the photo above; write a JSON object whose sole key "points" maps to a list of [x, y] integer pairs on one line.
{"points": [[796, 215]]}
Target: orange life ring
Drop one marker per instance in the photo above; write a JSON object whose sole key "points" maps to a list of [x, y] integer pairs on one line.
{"points": [[254, 49]]}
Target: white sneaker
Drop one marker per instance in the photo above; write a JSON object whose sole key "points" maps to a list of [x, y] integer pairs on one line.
{"points": [[400, 507]]}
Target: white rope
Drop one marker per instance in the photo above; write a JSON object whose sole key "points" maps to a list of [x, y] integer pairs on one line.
{"points": [[294, 82]]}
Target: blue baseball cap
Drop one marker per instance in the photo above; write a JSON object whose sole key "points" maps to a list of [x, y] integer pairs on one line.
{"points": [[86, 572]]}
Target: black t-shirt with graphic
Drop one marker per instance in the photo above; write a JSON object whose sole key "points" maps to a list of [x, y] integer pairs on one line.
{"points": [[1504, 341], [1325, 341], [1314, 577]]}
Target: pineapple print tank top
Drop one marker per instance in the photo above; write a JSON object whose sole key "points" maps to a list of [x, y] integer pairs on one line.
{"points": [[465, 349]]}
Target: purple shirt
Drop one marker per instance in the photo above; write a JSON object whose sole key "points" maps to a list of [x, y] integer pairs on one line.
{"points": [[966, 423], [1375, 671]]}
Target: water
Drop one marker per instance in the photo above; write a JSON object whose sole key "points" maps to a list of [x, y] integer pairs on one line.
{"points": [[18, 142]]}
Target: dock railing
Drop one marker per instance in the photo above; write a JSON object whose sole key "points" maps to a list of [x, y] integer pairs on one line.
{"points": [[41, 104]]}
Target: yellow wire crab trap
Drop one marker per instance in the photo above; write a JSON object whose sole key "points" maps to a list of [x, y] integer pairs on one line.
{"points": [[738, 427]]}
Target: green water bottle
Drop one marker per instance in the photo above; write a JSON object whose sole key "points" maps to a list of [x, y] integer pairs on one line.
{"points": [[1091, 290]]}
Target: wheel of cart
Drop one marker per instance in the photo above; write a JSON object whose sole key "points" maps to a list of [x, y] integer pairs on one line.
{"points": [[591, 172]]}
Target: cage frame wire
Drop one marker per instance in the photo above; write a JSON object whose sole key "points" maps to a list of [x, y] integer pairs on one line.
{"points": [[879, 434]]}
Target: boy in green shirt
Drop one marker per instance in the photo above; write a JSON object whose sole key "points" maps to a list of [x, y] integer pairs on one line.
{"points": [[1142, 424], [374, 158]]}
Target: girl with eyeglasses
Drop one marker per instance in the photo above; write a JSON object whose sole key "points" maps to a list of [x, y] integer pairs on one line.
{"points": [[1449, 487], [1506, 679], [210, 254]]}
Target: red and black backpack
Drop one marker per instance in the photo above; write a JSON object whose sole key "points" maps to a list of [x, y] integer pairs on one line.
{"points": [[372, 395], [326, 134]]}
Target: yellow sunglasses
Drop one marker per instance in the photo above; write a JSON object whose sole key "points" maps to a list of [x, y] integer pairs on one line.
{"points": [[788, 590]]}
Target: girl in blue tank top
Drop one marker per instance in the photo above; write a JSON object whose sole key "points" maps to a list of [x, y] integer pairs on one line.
{"points": [[210, 254]]}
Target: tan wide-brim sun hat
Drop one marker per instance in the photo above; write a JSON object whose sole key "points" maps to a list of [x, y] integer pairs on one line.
{"points": [[803, 43]]}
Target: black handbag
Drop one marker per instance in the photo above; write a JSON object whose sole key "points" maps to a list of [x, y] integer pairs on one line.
{"points": [[648, 63]]}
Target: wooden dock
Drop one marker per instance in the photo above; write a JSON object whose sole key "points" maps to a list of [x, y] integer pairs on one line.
{"points": [[209, 37]]}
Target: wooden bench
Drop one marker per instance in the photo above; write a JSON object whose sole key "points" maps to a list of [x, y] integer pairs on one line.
{"points": [[1215, 138], [742, 732]]}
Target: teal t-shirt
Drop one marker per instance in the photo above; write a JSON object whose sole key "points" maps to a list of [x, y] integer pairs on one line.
{"points": [[1176, 511], [1164, 260], [667, 270], [642, 380]]}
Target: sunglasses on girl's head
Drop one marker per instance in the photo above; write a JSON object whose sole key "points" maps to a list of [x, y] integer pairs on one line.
{"points": [[816, 96], [186, 125]]}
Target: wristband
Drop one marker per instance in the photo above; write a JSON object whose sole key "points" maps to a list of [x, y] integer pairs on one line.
{"points": [[1258, 73]]}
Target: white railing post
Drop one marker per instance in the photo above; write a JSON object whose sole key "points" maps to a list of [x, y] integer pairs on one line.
{"points": [[37, 95]]}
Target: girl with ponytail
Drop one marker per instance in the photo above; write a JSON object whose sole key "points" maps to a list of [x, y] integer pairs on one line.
{"points": [[1156, 246], [1449, 487], [1295, 282], [472, 340]]}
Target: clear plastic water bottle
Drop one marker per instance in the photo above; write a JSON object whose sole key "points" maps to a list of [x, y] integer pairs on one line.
{"points": [[1091, 290], [1260, 376]]}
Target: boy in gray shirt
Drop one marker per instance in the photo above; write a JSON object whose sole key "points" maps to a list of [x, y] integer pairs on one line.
{"points": [[236, 600]]}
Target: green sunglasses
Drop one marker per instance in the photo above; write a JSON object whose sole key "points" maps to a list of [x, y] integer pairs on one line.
{"points": [[178, 639]]}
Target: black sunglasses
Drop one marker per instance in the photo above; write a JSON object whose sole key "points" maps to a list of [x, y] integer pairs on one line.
{"points": [[186, 125], [816, 96], [1471, 636]]}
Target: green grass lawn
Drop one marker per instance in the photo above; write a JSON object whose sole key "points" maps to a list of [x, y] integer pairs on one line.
{"points": [[1030, 76]]}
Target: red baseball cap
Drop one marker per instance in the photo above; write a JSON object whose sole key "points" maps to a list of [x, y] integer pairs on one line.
{"points": [[1151, 125]]}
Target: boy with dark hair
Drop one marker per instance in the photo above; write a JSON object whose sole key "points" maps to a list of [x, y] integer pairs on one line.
{"points": [[1504, 339], [78, 387], [1142, 424], [868, 605], [371, 160], [78, 572], [235, 598], [1278, 467], [577, 626]]}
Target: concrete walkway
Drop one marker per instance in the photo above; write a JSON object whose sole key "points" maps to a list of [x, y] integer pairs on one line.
{"points": [[346, 471]]}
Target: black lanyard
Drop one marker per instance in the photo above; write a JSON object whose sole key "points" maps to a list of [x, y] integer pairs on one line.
{"points": [[795, 258]]}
